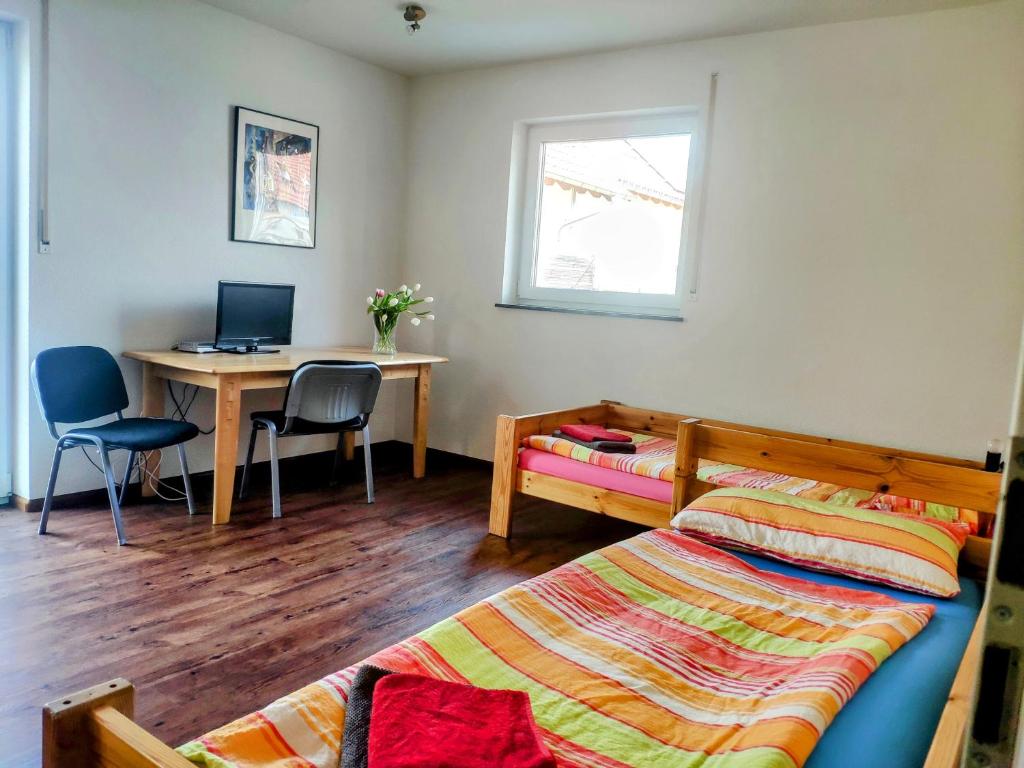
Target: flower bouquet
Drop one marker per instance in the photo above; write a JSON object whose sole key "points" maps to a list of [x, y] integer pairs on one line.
{"points": [[387, 309]]}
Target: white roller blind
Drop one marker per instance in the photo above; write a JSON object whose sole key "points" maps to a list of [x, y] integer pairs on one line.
{"points": [[7, 197]]}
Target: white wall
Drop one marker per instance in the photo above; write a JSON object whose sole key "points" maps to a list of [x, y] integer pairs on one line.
{"points": [[862, 271], [141, 97]]}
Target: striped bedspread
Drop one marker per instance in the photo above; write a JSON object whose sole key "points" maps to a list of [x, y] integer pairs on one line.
{"points": [[658, 652], [655, 457]]}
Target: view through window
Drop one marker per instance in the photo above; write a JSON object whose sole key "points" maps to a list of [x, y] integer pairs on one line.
{"points": [[610, 214]]}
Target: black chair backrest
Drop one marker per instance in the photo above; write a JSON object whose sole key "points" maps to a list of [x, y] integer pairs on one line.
{"points": [[332, 392], [76, 384]]}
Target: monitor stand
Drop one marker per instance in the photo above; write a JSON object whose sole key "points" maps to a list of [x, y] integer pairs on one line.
{"points": [[248, 349]]}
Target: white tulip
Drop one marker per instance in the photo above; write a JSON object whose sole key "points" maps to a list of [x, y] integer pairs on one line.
{"points": [[416, 287], [429, 299], [393, 301], [403, 288], [369, 299], [415, 321], [430, 316]]}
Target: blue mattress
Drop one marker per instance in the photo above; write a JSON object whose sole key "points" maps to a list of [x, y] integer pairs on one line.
{"points": [[892, 718]]}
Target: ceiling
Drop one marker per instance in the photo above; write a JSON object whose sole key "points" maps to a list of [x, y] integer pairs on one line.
{"points": [[461, 34]]}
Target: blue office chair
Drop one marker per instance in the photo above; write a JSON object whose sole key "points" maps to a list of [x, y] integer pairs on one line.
{"points": [[79, 384], [322, 398]]}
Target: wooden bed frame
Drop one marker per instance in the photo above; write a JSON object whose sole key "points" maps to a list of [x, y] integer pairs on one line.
{"points": [[957, 482], [94, 727]]}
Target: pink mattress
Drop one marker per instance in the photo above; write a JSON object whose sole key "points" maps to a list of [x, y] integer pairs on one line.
{"points": [[590, 474]]}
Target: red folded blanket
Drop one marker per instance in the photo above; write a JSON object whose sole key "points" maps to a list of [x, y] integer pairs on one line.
{"points": [[592, 432], [419, 722]]}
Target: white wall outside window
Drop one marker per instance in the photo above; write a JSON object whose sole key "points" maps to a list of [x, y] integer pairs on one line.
{"points": [[600, 212]]}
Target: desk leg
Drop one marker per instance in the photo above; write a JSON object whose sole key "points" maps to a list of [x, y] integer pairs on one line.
{"points": [[152, 405], [420, 419], [225, 448], [348, 445]]}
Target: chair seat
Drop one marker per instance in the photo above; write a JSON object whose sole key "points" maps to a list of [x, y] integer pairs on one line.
{"points": [[140, 434], [303, 427]]}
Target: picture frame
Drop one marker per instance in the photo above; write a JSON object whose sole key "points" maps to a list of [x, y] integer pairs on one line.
{"points": [[274, 188]]}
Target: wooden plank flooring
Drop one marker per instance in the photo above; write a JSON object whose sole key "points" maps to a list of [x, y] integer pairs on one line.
{"points": [[211, 624]]}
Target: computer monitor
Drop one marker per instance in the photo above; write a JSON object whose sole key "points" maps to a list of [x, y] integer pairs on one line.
{"points": [[251, 314]]}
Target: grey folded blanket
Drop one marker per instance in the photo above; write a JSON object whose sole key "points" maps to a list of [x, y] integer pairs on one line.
{"points": [[605, 446], [355, 737]]}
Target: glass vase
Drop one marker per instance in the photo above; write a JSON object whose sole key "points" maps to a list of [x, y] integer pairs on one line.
{"points": [[384, 339]]}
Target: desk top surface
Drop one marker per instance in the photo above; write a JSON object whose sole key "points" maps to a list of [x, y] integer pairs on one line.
{"points": [[288, 359]]}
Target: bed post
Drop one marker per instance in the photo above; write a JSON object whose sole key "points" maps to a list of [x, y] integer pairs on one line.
{"points": [[503, 485], [94, 728], [686, 463]]}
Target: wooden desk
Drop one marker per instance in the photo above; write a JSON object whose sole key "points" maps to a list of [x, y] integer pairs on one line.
{"points": [[229, 375]]}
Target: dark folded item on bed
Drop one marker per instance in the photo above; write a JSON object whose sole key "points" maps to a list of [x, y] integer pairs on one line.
{"points": [[421, 722], [355, 736], [605, 446]]}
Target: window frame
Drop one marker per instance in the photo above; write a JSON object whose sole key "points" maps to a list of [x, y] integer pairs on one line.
{"points": [[524, 218]]}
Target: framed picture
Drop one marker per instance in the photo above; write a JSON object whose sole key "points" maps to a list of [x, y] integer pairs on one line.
{"points": [[274, 198]]}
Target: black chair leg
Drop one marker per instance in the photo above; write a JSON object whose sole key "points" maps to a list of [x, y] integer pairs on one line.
{"points": [[127, 476], [367, 459], [186, 479], [115, 507], [275, 470], [243, 490], [50, 485], [339, 459]]}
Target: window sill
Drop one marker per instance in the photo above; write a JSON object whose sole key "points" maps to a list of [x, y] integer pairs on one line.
{"points": [[597, 312]]}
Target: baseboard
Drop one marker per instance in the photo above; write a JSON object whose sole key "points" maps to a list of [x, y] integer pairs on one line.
{"points": [[385, 452]]}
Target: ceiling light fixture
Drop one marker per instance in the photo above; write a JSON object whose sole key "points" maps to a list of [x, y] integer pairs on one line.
{"points": [[414, 14]]}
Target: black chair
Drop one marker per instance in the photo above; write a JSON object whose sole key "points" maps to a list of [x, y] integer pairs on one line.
{"points": [[79, 384], [322, 398]]}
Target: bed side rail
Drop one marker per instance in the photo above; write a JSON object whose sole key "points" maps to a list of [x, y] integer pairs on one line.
{"points": [[665, 423], [94, 729], [869, 469], [948, 742]]}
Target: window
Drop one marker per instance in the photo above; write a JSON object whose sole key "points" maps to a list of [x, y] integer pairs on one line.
{"points": [[602, 224]]}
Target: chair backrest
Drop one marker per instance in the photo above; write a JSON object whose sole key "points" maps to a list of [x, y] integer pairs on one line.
{"points": [[332, 392], [76, 384]]}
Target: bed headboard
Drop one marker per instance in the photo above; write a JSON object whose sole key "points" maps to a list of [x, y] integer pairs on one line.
{"points": [[955, 482]]}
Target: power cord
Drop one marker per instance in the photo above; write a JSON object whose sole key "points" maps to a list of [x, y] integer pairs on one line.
{"points": [[155, 481], [182, 408]]}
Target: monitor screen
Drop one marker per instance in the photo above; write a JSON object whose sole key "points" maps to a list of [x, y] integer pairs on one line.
{"points": [[254, 312]]}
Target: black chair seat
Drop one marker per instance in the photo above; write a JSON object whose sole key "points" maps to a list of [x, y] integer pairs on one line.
{"points": [[303, 427], [140, 434]]}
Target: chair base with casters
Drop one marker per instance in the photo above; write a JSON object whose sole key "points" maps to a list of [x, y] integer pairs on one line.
{"points": [[322, 398], [80, 384]]}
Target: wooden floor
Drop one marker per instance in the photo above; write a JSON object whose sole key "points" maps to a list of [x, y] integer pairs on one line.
{"points": [[211, 624]]}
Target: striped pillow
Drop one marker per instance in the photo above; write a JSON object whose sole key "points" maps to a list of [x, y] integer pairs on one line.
{"points": [[908, 552]]}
